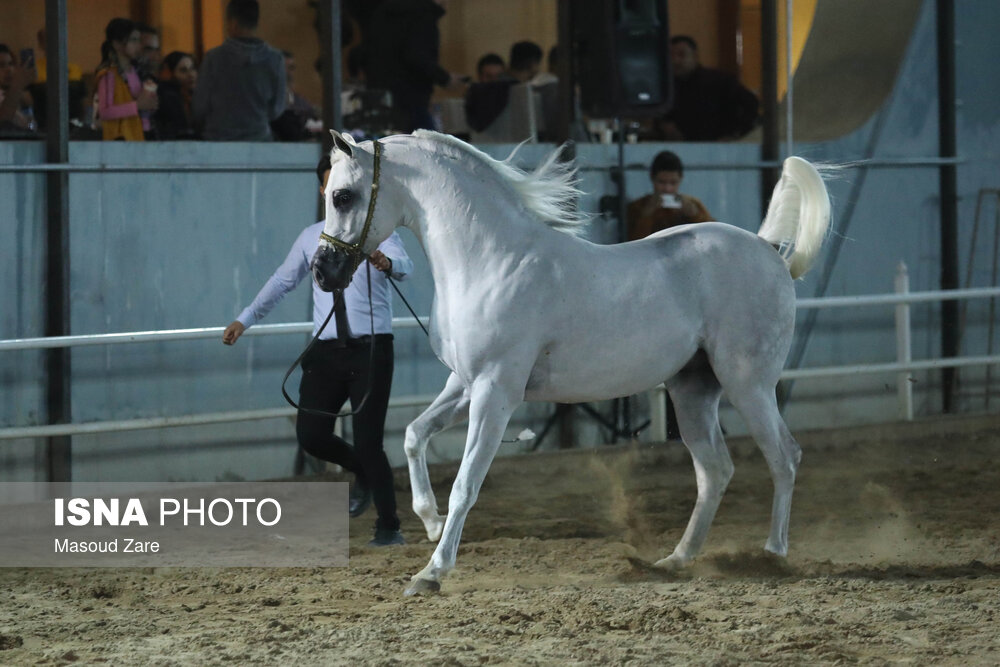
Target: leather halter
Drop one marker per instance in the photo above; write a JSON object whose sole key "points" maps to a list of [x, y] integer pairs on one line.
{"points": [[355, 249]]}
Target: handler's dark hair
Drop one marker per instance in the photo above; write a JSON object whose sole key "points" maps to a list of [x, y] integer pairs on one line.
{"points": [[666, 161], [323, 167], [245, 12]]}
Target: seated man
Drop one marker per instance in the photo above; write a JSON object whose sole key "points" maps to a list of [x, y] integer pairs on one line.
{"points": [[490, 68], [709, 104], [487, 100], [666, 207]]}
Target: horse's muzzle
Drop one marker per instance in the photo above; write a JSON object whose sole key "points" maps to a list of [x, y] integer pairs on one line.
{"points": [[332, 269]]}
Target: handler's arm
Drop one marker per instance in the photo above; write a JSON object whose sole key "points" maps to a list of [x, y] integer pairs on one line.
{"points": [[284, 280], [402, 265]]}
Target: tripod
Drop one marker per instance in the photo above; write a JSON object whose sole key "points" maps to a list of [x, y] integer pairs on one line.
{"points": [[619, 425]]}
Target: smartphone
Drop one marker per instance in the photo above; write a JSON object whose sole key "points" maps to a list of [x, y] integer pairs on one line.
{"points": [[670, 201], [27, 58]]}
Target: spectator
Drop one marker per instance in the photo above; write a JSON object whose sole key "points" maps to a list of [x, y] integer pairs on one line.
{"points": [[401, 56], [709, 105], [526, 64], [526, 67], [178, 79], [341, 367], [300, 119], [74, 71], [490, 68], [553, 61], [39, 92], [666, 207], [14, 81], [124, 104], [151, 58], [242, 82], [486, 99]]}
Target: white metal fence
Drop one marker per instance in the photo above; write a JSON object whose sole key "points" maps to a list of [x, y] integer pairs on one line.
{"points": [[903, 367]]}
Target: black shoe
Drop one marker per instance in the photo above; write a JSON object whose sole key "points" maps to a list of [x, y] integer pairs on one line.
{"points": [[359, 499], [387, 537]]}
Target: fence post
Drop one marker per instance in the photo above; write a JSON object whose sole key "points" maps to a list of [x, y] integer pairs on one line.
{"points": [[904, 383]]}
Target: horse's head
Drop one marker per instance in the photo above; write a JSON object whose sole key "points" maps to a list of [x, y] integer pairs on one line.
{"points": [[352, 230]]}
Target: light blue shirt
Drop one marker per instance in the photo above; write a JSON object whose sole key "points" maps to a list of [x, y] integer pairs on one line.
{"points": [[296, 267]]}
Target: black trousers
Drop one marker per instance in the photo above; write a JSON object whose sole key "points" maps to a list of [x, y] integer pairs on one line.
{"points": [[332, 374]]}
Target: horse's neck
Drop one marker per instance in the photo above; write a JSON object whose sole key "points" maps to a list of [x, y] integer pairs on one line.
{"points": [[467, 224]]}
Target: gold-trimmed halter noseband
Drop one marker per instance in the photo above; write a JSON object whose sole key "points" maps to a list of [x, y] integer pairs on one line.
{"points": [[355, 250]]}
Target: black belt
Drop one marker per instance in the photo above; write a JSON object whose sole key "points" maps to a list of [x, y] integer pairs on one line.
{"points": [[360, 341]]}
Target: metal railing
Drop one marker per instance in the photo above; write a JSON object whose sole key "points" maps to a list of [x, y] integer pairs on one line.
{"points": [[903, 366]]}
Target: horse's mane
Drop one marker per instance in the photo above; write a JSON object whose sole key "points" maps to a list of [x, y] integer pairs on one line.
{"points": [[550, 191]]}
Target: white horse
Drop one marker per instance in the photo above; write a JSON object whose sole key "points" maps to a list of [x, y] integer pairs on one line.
{"points": [[525, 312]]}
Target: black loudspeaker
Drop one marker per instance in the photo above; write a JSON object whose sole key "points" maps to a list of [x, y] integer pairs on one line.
{"points": [[621, 57]]}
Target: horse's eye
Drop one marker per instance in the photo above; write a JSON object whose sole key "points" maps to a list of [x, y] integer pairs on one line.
{"points": [[342, 199]]}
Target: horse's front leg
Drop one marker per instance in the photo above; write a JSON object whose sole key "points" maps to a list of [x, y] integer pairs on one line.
{"points": [[491, 405], [451, 406]]}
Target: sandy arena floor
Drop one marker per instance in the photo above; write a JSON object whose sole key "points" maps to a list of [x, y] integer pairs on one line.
{"points": [[894, 558]]}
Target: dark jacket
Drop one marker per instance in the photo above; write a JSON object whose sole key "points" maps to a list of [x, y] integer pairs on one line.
{"points": [[401, 52], [172, 119], [241, 89], [711, 104], [484, 102]]}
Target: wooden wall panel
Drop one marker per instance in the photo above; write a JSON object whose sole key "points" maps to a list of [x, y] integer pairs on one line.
{"points": [[471, 28]]}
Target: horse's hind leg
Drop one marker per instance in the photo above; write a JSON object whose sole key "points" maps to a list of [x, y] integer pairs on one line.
{"points": [[695, 392], [450, 407], [759, 408]]}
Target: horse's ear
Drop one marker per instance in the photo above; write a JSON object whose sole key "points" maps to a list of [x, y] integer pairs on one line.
{"points": [[343, 142]]}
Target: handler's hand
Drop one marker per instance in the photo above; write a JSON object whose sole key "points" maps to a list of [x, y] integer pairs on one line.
{"points": [[380, 261], [233, 332]]}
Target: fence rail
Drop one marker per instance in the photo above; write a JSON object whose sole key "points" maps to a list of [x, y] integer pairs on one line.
{"points": [[902, 367]]}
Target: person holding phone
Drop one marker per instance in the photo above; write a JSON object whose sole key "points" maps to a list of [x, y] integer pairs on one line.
{"points": [[665, 207]]}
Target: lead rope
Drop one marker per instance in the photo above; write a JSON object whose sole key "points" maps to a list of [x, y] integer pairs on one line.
{"points": [[371, 357], [523, 436], [408, 306]]}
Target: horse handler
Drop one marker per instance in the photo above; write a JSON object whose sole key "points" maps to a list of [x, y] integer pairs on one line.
{"points": [[340, 366]]}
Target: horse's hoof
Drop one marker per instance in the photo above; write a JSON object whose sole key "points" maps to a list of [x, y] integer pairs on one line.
{"points": [[672, 563], [780, 551], [422, 587]]}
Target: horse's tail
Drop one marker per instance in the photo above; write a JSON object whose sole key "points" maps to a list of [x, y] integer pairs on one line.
{"points": [[798, 215]]}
